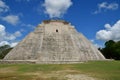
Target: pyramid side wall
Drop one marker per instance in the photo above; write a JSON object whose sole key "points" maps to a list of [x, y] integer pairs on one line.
{"points": [[88, 49], [55, 42], [26, 49]]}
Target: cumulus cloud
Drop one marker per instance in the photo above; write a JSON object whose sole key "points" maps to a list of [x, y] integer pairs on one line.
{"points": [[96, 44], [11, 19], [110, 32], [13, 36], [106, 6], [4, 43], [13, 44], [3, 7], [2, 31], [8, 38], [56, 8]]}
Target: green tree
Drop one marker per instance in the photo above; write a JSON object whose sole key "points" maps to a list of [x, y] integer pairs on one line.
{"points": [[111, 50], [108, 50], [116, 54], [4, 50]]}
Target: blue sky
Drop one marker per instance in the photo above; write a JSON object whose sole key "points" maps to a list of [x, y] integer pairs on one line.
{"points": [[98, 20]]}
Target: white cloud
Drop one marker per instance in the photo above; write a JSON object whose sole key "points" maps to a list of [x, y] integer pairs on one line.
{"points": [[106, 6], [13, 36], [13, 44], [110, 32], [2, 31], [95, 44], [11, 19], [17, 34], [56, 8], [28, 25], [2, 43], [3, 7], [8, 38]]}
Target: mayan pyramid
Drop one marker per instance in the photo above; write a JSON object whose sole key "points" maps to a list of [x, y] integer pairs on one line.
{"points": [[55, 41]]}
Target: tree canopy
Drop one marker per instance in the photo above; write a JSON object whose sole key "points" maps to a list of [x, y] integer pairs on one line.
{"points": [[4, 50], [111, 50]]}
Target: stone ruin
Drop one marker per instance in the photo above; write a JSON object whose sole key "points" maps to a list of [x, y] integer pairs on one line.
{"points": [[54, 41]]}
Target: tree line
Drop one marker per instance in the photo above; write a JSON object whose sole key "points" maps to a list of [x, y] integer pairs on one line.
{"points": [[111, 50]]}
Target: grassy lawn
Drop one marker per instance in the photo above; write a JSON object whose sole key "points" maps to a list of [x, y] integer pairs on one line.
{"points": [[99, 70]]}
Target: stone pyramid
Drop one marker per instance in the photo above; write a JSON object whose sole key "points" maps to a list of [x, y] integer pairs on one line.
{"points": [[55, 41]]}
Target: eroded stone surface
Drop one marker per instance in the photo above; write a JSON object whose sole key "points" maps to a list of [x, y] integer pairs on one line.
{"points": [[55, 40]]}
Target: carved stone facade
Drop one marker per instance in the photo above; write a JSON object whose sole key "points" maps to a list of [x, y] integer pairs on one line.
{"points": [[55, 41]]}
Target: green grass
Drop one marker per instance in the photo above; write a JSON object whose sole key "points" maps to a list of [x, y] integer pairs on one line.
{"points": [[104, 70], [109, 70]]}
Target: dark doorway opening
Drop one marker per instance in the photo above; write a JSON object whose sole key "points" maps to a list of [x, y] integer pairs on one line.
{"points": [[56, 30]]}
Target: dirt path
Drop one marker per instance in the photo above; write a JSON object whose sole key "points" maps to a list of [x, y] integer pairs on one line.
{"points": [[79, 77]]}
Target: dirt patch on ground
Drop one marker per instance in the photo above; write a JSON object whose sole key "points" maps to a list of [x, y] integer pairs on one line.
{"points": [[79, 77], [61, 75], [7, 70]]}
